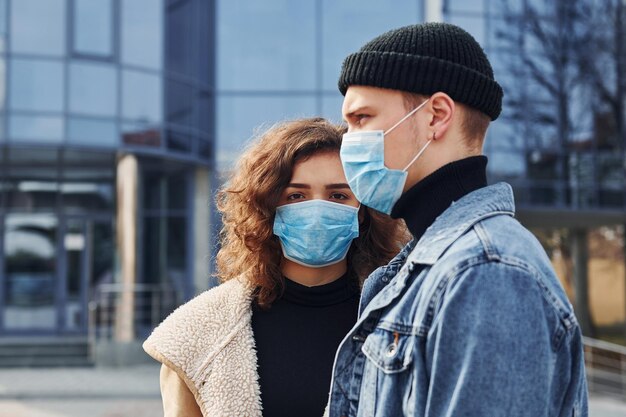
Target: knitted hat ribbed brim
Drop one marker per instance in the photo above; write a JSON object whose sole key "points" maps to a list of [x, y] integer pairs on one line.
{"points": [[425, 59]]}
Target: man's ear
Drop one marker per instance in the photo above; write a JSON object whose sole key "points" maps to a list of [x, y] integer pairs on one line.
{"points": [[442, 110]]}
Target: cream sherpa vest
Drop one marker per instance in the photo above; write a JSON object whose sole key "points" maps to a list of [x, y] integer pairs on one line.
{"points": [[209, 343]]}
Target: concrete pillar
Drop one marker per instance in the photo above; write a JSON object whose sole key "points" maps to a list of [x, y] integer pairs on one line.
{"points": [[433, 11], [580, 257], [127, 183], [202, 229]]}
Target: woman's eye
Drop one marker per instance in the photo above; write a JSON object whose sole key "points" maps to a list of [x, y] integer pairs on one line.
{"points": [[295, 196], [338, 196]]}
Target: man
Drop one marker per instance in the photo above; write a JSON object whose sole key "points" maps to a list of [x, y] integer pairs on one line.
{"points": [[469, 319]]}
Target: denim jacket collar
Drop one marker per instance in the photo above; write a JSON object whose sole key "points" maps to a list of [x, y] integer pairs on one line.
{"points": [[458, 218]]}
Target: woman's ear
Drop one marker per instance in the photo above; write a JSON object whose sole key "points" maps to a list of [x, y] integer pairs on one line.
{"points": [[362, 214]]}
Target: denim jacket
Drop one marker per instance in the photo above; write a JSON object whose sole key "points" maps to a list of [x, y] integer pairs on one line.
{"points": [[469, 321]]}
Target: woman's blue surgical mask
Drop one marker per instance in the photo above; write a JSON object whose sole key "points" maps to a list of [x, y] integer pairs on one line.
{"points": [[363, 159], [316, 233]]}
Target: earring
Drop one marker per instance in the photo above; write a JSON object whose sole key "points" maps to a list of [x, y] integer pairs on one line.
{"points": [[434, 136]]}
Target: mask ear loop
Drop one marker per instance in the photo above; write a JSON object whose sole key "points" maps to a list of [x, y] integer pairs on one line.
{"points": [[411, 113], [418, 155]]}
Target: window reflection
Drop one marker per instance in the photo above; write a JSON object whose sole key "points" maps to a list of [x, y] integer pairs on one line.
{"points": [[93, 89], [142, 33], [275, 49], [85, 196], [32, 195], [139, 134], [179, 103], [181, 21], [95, 132], [178, 141], [30, 271], [38, 27], [238, 118], [93, 27], [3, 25], [348, 24], [36, 85], [141, 96], [36, 128]]}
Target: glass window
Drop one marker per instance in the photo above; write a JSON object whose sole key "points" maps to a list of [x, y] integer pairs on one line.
{"points": [[331, 107], [142, 96], [36, 85], [3, 25], [103, 248], [87, 196], [165, 191], [3, 91], [205, 149], [507, 163], [36, 128], [30, 272], [179, 106], [142, 33], [94, 132], [93, 27], [347, 25], [181, 37], [276, 51], [27, 156], [32, 195], [38, 27], [165, 241], [93, 89], [140, 134], [474, 25], [474, 6], [240, 118], [204, 109], [179, 141]]}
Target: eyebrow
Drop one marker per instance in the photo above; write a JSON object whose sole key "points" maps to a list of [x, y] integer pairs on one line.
{"points": [[337, 186], [357, 110], [327, 186]]}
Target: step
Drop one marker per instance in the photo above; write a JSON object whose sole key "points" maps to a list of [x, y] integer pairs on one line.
{"points": [[42, 351]]}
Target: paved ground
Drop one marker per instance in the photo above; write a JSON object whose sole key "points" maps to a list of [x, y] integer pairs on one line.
{"points": [[80, 392], [122, 392]]}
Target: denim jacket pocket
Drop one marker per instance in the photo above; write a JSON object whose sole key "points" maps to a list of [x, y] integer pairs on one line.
{"points": [[389, 351]]}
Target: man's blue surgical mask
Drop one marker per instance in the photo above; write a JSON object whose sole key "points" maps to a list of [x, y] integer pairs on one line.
{"points": [[363, 159], [316, 233]]}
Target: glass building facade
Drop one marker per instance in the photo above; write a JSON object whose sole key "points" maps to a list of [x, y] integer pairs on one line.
{"points": [[180, 86], [83, 85]]}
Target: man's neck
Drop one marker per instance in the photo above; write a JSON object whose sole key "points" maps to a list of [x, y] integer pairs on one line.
{"points": [[421, 204]]}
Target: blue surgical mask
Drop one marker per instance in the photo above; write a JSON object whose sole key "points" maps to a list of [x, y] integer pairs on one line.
{"points": [[363, 159], [316, 233]]}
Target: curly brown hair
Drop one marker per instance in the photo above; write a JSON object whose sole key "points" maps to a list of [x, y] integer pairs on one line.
{"points": [[249, 199]]}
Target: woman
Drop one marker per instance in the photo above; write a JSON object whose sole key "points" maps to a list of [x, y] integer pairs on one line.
{"points": [[295, 245]]}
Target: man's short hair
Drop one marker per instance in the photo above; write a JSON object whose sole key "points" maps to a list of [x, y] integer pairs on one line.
{"points": [[474, 122]]}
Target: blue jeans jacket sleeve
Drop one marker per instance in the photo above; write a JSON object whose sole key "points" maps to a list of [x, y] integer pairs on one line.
{"points": [[495, 333]]}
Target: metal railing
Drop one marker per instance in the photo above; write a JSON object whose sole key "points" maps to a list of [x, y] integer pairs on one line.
{"points": [[146, 306], [605, 362], [606, 368]]}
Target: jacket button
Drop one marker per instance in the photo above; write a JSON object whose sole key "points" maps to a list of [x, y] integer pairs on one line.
{"points": [[391, 350], [385, 279]]}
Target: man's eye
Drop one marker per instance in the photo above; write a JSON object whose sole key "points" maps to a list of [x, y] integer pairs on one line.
{"points": [[361, 117]]}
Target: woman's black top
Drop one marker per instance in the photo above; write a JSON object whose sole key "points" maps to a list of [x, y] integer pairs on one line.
{"points": [[296, 340]]}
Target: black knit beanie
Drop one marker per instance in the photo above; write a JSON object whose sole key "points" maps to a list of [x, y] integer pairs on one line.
{"points": [[425, 59]]}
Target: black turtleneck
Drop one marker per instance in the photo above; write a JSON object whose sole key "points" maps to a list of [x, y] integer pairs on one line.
{"points": [[421, 204], [296, 340]]}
